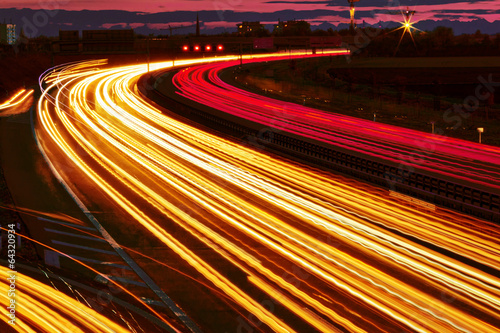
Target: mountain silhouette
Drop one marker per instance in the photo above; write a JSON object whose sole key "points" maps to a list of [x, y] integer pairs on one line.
{"points": [[48, 23]]}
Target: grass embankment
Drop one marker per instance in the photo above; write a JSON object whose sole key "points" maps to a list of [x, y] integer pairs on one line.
{"points": [[406, 92]]}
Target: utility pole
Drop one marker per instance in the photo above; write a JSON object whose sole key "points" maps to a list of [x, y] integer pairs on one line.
{"points": [[241, 55], [197, 26], [147, 45], [352, 10]]}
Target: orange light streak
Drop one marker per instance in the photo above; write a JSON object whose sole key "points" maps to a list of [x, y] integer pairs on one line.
{"points": [[251, 198]]}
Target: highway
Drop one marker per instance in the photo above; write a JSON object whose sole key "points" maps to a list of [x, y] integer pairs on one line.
{"points": [[279, 246], [40, 308], [468, 162], [20, 98]]}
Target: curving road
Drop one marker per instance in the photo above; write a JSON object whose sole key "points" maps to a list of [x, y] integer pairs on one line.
{"points": [[456, 159], [36, 307], [276, 246], [12, 106]]}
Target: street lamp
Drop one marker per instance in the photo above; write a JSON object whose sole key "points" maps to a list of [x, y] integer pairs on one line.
{"points": [[480, 130]]}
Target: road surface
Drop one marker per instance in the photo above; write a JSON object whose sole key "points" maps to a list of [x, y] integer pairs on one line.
{"points": [[467, 162], [264, 244]]}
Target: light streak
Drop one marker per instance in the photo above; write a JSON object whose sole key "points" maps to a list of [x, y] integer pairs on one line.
{"points": [[17, 99], [452, 158], [263, 215], [110, 281], [41, 308]]}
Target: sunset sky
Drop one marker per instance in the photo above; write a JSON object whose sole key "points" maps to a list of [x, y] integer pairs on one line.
{"points": [[428, 9], [224, 14]]}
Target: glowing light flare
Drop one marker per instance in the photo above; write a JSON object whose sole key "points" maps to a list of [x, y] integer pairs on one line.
{"points": [[407, 26]]}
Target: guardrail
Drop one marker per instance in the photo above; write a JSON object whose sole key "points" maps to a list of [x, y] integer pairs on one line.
{"points": [[430, 188]]}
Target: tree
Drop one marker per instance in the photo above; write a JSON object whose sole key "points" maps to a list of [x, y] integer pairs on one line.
{"points": [[442, 36], [297, 28]]}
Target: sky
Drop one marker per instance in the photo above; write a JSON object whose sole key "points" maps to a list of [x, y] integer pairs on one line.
{"points": [[225, 13], [428, 9]]}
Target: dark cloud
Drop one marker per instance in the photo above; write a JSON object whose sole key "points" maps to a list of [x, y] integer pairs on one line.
{"points": [[403, 3], [471, 11], [380, 3], [25, 18]]}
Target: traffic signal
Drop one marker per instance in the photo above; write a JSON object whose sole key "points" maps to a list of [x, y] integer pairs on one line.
{"points": [[220, 48], [196, 47], [185, 48], [208, 48]]}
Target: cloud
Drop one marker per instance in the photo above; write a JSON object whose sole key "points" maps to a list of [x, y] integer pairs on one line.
{"points": [[114, 25], [136, 25], [212, 19]]}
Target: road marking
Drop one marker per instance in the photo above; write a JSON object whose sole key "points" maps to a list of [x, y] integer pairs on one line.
{"points": [[84, 247], [150, 301], [99, 262], [51, 258], [103, 278], [188, 322], [96, 292], [66, 223], [75, 235]]}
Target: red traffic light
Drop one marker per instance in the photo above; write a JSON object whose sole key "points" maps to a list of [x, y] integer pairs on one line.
{"points": [[220, 48], [197, 48], [208, 48], [185, 48]]}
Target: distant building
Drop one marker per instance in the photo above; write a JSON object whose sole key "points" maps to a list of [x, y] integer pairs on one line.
{"points": [[7, 34], [95, 41], [108, 40], [69, 35], [292, 28], [69, 42], [250, 28]]}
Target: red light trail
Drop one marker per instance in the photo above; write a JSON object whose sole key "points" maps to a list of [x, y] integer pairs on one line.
{"points": [[350, 248], [454, 158]]}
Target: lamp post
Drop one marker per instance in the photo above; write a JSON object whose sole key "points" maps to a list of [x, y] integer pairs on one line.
{"points": [[147, 46], [241, 55], [432, 123], [480, 130]]}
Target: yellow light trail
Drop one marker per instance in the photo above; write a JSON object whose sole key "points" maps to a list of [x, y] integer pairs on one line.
{"points": [[240, 197], [41, 308], [17, 99]]}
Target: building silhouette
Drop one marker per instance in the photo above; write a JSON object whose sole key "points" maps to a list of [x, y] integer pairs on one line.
{"points": [[8, 33], [250, 28]]}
